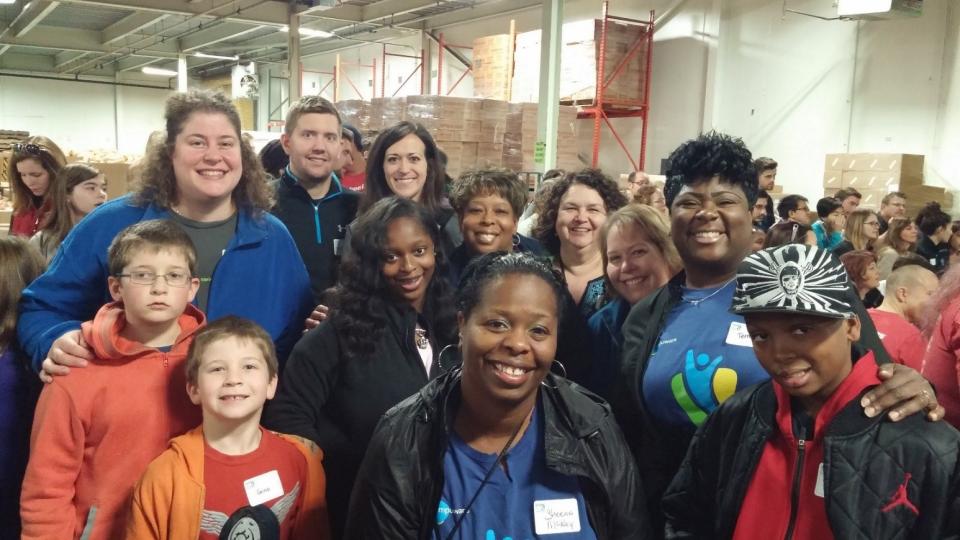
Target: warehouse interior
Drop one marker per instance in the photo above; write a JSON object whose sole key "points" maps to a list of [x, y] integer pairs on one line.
{"points": [[792, 78]]}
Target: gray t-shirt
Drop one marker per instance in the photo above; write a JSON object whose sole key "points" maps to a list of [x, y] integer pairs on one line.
{"points": [[210, 239]]}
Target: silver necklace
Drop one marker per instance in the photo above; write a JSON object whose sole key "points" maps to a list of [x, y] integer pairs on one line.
{"points": [[697, 301]]}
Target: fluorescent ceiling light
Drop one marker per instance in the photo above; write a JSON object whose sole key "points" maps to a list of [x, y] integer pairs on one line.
{"points": [[157, 71], [216, 56], [310, 32], [3, 2]]}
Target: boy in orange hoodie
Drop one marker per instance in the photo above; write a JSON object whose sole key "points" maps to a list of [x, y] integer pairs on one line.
{"points": [[96, 430], [230, 478]]}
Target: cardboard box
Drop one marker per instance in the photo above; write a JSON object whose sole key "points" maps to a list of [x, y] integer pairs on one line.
{"points": [[832, 179], [877, 180], [492, 67], [906, 165], [870, 198]]}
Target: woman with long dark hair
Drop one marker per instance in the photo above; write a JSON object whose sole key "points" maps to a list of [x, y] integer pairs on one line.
{"points": [[390, 318], [405, 162], [500, 448]]}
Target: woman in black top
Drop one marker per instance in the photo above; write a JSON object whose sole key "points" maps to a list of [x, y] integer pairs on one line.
{"points": [[391, 316]]}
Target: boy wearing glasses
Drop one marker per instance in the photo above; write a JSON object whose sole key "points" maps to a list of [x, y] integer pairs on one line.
{"points": [[95, 432]]}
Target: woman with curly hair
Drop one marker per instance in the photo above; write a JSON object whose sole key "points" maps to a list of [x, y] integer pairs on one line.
{"points": [[390, 318], [33, 166], [207, 180], [569, 229], [900, 239]]}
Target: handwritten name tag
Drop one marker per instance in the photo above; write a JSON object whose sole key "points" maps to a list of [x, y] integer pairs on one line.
{"points": [[263, 488], [556, 516]]}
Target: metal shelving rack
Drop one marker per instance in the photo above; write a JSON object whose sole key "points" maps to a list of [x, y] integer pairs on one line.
{"points": [[603, 109]]}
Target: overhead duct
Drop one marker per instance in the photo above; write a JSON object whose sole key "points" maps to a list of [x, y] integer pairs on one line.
{"points": [[878, 10]]}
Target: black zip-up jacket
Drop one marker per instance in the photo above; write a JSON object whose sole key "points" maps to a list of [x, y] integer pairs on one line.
{"points": [[336, 403], [401, 479], [864, 462], [659, 451], [317, 227]]}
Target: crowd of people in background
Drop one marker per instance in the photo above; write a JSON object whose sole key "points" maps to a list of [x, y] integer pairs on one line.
{"points": [[336, 339]]}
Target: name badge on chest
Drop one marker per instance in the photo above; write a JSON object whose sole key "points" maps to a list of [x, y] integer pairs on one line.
{"points": [[263, 488], [556, 516], [738, 335]]}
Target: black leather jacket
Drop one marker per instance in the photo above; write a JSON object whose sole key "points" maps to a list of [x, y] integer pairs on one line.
{"points": [[401, 478], [659, 451], [864, 461]]}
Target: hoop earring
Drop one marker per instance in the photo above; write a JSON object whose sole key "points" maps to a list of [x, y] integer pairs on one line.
{"points": [[563, 370], [516, 241], [454, 362]]}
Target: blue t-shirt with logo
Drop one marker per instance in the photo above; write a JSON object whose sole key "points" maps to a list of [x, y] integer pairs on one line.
{"points": [[702, 357], [507, 503]]}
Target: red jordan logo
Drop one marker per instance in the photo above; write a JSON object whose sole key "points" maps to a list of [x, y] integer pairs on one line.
{"points": [[900, 498]]}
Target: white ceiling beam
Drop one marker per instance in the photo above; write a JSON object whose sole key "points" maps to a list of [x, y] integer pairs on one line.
{"points": [[73, 39], [130, 24], [389, 8], [216, 34], [31, 15], [61, 59], [269, 12], [3, 49], [134, 63], [486, 10]]}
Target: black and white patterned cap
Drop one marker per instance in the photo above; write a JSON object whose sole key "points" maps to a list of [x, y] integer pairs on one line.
{"points": [[793, 278]]}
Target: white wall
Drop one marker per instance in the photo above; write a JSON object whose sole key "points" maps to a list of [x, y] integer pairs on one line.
{"points": [[82, 116], [796, 88]]}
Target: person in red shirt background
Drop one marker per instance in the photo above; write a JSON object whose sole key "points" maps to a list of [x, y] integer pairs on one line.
{"points": [[354, 168], [33, 166], [898, 318]]}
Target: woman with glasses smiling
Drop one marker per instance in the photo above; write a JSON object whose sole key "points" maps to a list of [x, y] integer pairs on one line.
{"points": [[861, 232], [205, 178], [34, 165]]}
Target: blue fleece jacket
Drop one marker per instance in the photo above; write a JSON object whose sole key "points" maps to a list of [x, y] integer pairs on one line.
{"points": [[260, 276], [606, 343]]}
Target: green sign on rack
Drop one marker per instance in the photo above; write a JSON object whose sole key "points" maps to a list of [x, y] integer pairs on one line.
{"points": [[538, 151]]}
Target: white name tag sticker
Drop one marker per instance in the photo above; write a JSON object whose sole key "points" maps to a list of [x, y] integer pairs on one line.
{"points": [[738, 335], [263, 488], [818, 489], [336, 246], [556, 516]]}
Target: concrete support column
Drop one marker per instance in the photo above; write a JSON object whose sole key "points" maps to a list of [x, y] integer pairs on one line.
{"points": [[547, 118], [293, 50]]}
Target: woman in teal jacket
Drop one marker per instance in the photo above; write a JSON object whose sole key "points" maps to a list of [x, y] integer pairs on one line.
{"points": [[209, 181]]}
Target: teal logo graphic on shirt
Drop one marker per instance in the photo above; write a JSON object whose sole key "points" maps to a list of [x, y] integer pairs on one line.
{"points": [[702, 385], [443, 512]]}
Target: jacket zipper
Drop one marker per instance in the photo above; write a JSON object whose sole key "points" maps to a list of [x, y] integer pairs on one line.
{"points": [[795, 490]]}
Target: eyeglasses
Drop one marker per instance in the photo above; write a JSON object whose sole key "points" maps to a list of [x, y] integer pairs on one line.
{"points": [[173, 279], [28, 148]]}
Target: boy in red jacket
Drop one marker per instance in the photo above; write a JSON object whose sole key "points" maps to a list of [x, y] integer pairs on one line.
{"points": [[96, 430], [795, 457], [230, 478]]}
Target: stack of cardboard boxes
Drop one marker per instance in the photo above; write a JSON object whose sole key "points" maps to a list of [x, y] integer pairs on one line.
{"points": [[492, 67], [473, 133], [875, 175]]}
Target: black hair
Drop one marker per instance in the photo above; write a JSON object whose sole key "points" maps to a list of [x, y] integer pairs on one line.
{"points": [[484, 269], [827, 206], [712, 154], [361, 298], [274, 158], [788, 204], [545, 230], [786, 232], [354, 136], [931, 217], [767, 220]]}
